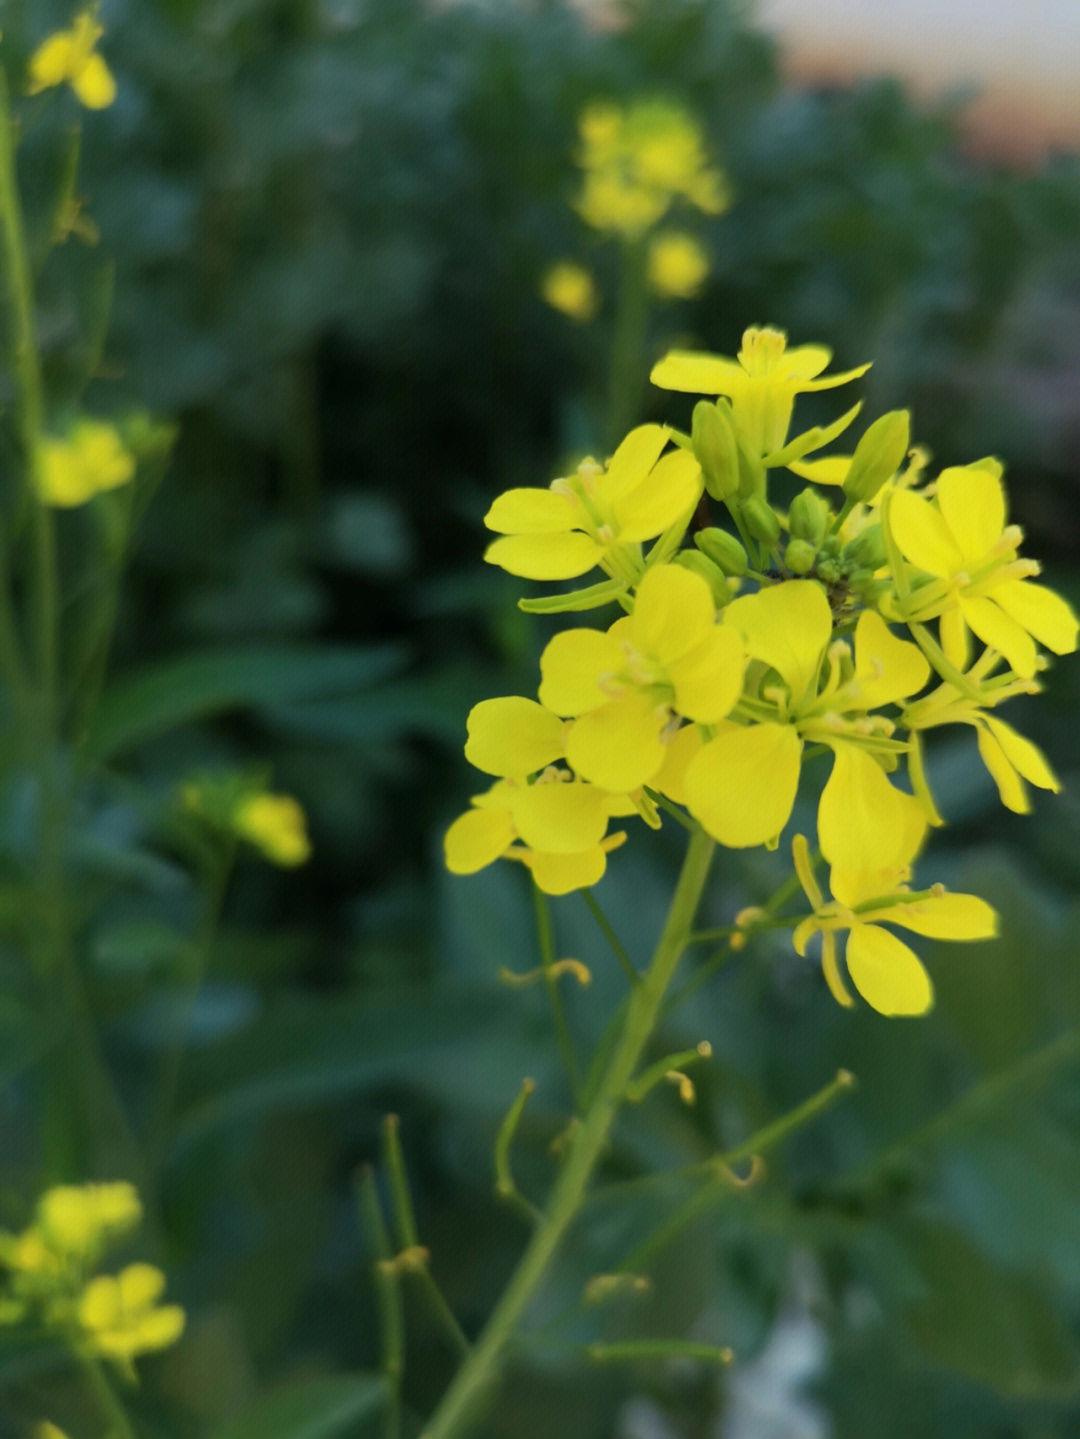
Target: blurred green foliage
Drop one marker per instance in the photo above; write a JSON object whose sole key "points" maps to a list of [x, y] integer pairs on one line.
{"points": [[323, 224]]}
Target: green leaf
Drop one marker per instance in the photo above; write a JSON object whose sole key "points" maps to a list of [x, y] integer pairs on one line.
{"points": [[315, 1409], [155, 700]]}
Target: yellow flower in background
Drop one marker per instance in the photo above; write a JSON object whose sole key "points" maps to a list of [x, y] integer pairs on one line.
{"points": [[90, 459], [276, 825], [638, 161], [121, 1317], [570, 288], [677, 265], [69, 57], [761, 382], [79, 1220], [886, 972], [47, 1430]]}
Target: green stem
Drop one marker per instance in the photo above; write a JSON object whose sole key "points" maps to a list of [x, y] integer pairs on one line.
{"points": [[391, 1309], [546, 938], [105, 1397], [480, 1372], [629, 342]]}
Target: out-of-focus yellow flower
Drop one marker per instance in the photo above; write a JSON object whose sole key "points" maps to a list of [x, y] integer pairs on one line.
{"points": [[275, 824], [78, 1220], [69, 56], [570, 288], [48, 1430], [638, 161], [122, 1318], [677, 265], [90, 459]]}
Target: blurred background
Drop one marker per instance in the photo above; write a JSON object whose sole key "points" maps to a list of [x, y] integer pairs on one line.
{"points": [[329, 221]]}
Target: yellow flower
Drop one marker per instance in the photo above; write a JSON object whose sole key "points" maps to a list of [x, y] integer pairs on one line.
{"points": [[78, 1220], [741, 785], [48, 1430], [884, 970], [638, 161], [90, 459], [598, 516], [569, 288], [69, 56], [961, 540], [761, 382], [120, 1315], [668, 658], [677, 265], [275, 824]]}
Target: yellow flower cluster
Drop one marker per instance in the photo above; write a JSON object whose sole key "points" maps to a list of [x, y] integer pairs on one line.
{"points": [[69, 57], [49, 1276], [876, 607], [87, 461], [640, 161], [274, 824]]}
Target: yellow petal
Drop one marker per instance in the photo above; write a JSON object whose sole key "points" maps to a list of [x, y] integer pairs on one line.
{"points": [[741, 786], [829, 470], [51, 62], [563, 873], [1041, 612], [972, 502], [788, 626], [668, 493], [673, 612], [699, 374], [955, 636], [477, 838], [513, 736], [574, 665], [998, 630], [560, 818], [887, 974], [923, 535], [632, 461], [946, 916], [618, 747], [93, 83], [1024, 756], [887, 668], [708, 681], [534, 512], [864, 823], [680, 749], [1011, 789], [545, 557]]}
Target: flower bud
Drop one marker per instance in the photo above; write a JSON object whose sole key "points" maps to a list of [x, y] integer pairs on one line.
{"points": [[878, 455], [867, 550], [808, 517], [717, 453], [723, 549], [698, 564], [800, 557], [760, 520]]}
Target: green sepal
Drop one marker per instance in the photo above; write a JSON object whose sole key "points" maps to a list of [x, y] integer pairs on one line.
{"points": [[878, 455], [716, 448], [591, 598]]}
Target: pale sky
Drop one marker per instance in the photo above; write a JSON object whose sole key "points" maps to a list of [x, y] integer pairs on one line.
{"points": [[1023, 55]]}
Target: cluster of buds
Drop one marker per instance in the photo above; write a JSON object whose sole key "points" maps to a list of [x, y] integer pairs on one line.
{"points": [[876, 606]]}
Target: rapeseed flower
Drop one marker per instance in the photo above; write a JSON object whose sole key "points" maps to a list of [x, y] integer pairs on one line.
{"points": [[628, 686], [120, 1316], [883, 969], [761, 382], [677, 265], [742, 783], [90, 459], [599, 515], [69, 57], [975, 582], [571, 289], [276, 825]]}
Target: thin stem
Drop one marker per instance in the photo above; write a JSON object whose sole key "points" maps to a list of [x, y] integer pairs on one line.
{"points": [[479, 1374], [546, 938], [628, 344], [391, 1309], [107, 1400], [612, 938]]}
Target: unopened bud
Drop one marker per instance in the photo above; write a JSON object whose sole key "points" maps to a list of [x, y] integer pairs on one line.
{"points": [[800, 557], [878, 455], [808, 517], [867, 549], [717, 453], [760, 520], [699, 564], [723, 549]]}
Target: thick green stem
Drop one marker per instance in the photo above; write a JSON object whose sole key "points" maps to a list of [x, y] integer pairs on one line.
{"points": [[480, 1372]]}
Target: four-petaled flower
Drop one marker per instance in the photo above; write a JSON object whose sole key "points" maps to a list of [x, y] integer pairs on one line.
{"points": [[69, 56]]}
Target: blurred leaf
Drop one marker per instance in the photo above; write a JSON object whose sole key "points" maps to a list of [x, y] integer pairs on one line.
{"points": [[314, 1409], [175, 691]]}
